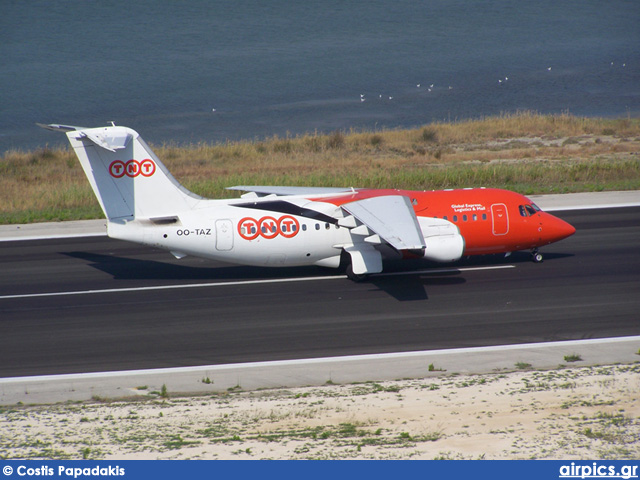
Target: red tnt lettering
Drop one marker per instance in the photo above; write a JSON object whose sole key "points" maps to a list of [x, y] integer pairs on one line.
{"points": [[288, 226], [269, 227], [147, 167], [132, 168], [248, 228], [116, 169]]}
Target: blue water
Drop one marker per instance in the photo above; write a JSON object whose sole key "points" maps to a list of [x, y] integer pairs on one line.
{"points": [[277, 67]]}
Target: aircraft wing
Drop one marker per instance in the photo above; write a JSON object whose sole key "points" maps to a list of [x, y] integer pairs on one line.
{"points": [[269, 190], [391, 217]]}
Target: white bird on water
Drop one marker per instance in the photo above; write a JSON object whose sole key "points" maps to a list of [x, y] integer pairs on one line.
{"points": [[549, 68]]}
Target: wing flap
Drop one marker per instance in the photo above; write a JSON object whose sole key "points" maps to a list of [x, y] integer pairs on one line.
{"points": [[392, 218]]}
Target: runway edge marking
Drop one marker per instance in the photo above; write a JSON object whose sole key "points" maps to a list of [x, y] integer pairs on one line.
{"points": [[323, 360]]}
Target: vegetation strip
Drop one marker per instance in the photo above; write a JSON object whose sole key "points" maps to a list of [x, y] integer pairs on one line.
{"points": [[524, 152], [571, 413]]}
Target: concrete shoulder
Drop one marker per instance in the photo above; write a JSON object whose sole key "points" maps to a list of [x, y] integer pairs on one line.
{"points": [[44, 231]]}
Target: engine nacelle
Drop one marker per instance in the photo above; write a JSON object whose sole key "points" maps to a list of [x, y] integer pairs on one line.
{"points": [[444, 248], [442, 238]]}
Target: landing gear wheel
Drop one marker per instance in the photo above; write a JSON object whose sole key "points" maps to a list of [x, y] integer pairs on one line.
{"points": [[353, 276], [536, 257]]}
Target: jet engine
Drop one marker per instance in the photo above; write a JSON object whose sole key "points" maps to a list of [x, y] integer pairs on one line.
{"points": [[442, 239]]}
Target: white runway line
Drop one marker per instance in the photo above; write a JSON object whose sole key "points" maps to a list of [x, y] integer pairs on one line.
{"points": [[242, 282]]}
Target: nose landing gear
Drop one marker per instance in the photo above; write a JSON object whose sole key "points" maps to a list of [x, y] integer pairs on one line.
{"points": [[536, 256]]}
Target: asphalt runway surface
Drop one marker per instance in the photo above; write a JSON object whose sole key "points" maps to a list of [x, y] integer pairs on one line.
{"points": [[587, 287]]}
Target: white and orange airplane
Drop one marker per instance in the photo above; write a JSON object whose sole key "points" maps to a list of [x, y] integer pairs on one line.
{"points": [[294, 226]]}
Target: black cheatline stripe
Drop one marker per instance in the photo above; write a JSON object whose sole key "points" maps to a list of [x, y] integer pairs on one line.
{"points": [[288, 208]]}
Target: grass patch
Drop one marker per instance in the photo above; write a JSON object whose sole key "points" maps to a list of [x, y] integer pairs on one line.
{"points": [[572, 358], [163, 391], [523, 365], [524, 152]]}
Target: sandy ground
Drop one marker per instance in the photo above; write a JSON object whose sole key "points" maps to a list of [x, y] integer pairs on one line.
{"points": [[569, 413]]}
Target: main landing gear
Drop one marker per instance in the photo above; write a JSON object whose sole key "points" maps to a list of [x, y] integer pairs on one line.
{"points": [[354, 276], [536, 256]]}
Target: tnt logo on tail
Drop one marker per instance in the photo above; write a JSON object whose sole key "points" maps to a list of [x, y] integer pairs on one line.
{"points": [[132, 168]]}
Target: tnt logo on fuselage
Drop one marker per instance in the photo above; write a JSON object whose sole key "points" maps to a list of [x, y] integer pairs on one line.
{"points": [[132, 168], [268, 227]]}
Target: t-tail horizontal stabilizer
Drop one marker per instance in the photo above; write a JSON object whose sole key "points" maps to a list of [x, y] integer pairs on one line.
{"points": [[128, 179]]}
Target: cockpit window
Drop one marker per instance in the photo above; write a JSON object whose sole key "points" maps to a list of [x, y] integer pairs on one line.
{"points": [[528, 210], [523, 212]]}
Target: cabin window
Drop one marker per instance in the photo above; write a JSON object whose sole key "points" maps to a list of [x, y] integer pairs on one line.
{"points": [[304, 227], [464, 218], [327, 226], [445, 218], [317, 226], [475, 217], [455, 218], [484, 216]]}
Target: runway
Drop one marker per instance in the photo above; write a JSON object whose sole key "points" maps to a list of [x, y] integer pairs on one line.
{"points": [[99, 312]]}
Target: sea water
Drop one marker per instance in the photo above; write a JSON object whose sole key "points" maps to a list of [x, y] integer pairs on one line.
{"points": [[211, 71]]}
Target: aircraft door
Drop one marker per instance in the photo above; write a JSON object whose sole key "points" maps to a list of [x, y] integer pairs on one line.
{"points": [[224, 235], [499, 219]]}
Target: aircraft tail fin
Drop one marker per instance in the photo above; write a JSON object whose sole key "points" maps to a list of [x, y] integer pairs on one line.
{"points": [[128, 179]]}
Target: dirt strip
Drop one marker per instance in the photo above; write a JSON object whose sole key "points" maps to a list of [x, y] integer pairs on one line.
{"points": [[566, 413]]}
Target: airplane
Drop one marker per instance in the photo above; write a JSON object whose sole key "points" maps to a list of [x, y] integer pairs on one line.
{"points": [[277, 226]]}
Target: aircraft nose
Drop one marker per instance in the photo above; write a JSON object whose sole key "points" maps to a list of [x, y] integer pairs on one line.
{"points": [[555, 229]]}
